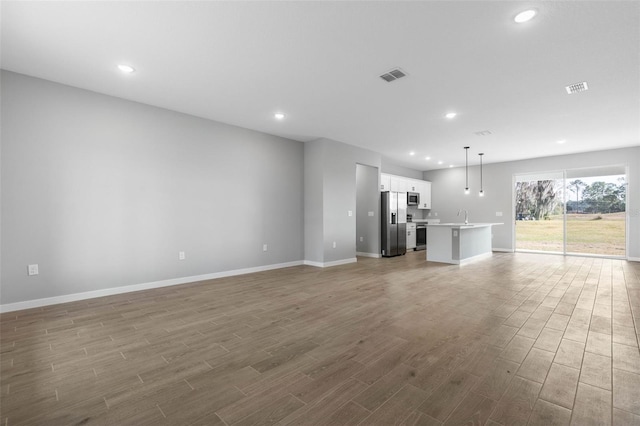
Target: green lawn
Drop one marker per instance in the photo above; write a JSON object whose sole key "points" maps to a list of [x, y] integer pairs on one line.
{"points": [[585, 234]]}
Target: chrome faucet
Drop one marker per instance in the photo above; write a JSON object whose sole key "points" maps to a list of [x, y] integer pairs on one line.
{"points": [[466, 216]]}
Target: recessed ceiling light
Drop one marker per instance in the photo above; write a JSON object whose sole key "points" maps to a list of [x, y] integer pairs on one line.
{"points": [[450, 115], [427, 158], [525, 16], [439, 162], [412, 153], [561, 141], [279, 116], [127, 69]]}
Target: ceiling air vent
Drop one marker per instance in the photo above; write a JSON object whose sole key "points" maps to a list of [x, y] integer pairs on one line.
{"points": [[577, 87], [482, 133], [393, 75]]}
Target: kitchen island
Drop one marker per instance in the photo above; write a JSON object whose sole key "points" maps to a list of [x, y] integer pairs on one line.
{"points": [[458, 243]]}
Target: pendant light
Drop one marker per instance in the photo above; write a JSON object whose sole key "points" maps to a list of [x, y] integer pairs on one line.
{"points": [[481, 190], [466, 169]]}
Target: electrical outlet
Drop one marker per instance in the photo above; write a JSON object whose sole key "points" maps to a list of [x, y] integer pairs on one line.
{"points": [[371, 214], [499, 214], [32, 269], [350, 213], [436, 214], [264, 247], [181, 255], [361, 239], [334, 244]]}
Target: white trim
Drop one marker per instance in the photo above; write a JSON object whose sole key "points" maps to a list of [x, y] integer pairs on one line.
{"points": [[503, 250], [36, 303], [341, 262], [329, 264], [633, 259], [473, 258], [374, 255]]}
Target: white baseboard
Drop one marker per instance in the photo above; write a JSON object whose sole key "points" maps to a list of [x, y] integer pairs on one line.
{"points": [[474, 258], [374, 255], [502, 250], [37, 303], [329, 264], [633, 259]]}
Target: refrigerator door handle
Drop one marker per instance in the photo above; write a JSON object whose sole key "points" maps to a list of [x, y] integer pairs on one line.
{"points": [[393, 218]]}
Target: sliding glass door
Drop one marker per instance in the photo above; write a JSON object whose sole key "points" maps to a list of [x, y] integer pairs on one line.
{"points": [[572, 212], [539, 212], [596, 211]]}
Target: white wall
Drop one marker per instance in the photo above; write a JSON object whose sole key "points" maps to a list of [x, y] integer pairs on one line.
{"points": [[103, 192], [448, 190]]}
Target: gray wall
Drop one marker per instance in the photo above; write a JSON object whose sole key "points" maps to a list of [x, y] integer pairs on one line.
{"points": [[367, 200], [448, 190], [393, 169], [313, 202], [338, 176], [103, 192]]}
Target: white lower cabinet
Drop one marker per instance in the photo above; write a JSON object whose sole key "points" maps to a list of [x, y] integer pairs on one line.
{"points": [[411, 236]]}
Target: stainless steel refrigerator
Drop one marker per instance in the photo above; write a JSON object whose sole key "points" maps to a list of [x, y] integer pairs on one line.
{"points": [[394, 223]]}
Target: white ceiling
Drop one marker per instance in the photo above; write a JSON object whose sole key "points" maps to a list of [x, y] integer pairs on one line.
{"points": [[319, 62]]}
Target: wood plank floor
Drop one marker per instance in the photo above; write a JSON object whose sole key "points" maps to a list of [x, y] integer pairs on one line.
{"points": [[515, 339]]}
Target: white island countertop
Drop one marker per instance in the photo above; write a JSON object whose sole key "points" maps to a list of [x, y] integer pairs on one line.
{"points": [[460, 242], [464, 225]]}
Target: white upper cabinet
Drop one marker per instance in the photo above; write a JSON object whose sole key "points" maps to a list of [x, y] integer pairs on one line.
{"points": [[403, 184], [399, 184], [425, 195], [385, 182]]}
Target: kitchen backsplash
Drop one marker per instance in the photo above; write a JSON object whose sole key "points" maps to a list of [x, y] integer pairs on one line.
{"points": [[417, 213]]}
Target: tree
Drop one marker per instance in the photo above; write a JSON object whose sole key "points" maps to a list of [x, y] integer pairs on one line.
{"points": [[605, 197], [576, 186], [536, 198]]}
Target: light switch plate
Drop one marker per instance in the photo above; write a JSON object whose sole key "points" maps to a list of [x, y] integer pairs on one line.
{"points": [[181, 255], [371, 214], [350, 213], [499, 214]]}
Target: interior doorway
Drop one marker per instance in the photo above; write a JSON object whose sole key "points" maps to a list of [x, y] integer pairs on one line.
{"points": [[580, 211]]}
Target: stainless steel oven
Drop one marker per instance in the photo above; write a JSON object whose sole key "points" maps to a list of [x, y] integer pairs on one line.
{"points": [[421, 236]]}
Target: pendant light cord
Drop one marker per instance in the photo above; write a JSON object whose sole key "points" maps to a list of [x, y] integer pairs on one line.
{"points": [[481, 187], [466, 167]]}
